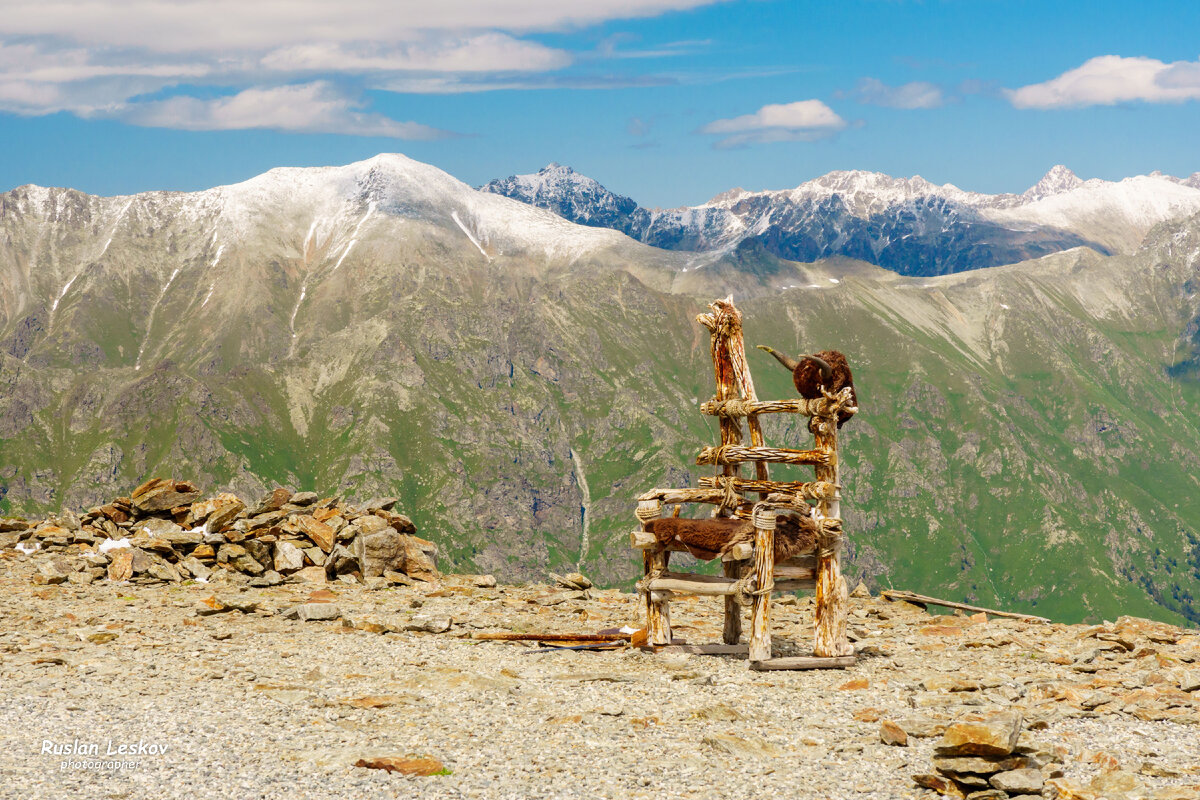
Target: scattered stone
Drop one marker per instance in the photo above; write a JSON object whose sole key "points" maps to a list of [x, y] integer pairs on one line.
{"points": [[429, 623], [892, 734], [741, 746], [405, 766], [52, 571], [939, 784], [574, 580], [309, 612]]}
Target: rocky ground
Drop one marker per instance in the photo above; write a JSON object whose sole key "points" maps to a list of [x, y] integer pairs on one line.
{"points": [[230, 690]]}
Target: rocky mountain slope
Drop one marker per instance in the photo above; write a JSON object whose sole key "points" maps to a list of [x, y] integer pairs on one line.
{"points": [[1026, 436], [908, 225]]}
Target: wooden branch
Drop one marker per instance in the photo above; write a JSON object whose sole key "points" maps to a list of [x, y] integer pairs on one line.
{"points": [[803, 662], [702, 649], [654, 561], [832, 595], [798, 585], [739, 552], [819, 407], [642, 540], [554, 637], [794, 574], [808, 490], [724, 320], [734, 454], [764, 567], [921, 599], [683, 583], [731, 633]]}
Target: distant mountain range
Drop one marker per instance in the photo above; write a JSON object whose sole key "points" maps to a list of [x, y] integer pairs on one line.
{"points": [[1027, 435], [907, 225]]}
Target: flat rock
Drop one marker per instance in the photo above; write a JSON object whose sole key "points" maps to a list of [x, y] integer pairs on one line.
{"points": [[996, 736], [310, 612], [1019, 781], [429, 623], [980, 765], [159, 494]]}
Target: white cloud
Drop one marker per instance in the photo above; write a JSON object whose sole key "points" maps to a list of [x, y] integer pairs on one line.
{"points": [[918, 94], [1107, 80], [803, 120], [485, 52], [190, 26], [102, 58], [307, 108]]}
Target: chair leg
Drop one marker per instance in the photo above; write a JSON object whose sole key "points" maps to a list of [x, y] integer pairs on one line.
{"points": [[764, 572], [658, 604], [733, 609]]}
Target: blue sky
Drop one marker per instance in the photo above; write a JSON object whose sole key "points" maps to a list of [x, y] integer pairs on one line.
{"points": [[668, 101]]}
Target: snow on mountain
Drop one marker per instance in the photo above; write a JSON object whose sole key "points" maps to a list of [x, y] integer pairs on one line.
{"points": [[1058, 180], [909, 225]]}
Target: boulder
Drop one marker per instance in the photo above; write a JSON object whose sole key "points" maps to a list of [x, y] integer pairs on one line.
{"points": [[223, 513], [203, 509], [195, 567], [318, 533], [288, 557], [120, 568], [304, 498], [341, 562], [420, 559], [53, 571], [380, 551], [158, 494], [274, 501], [237, 557]]}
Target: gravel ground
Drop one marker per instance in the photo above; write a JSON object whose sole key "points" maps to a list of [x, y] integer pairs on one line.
{"points": [[256, 705]]}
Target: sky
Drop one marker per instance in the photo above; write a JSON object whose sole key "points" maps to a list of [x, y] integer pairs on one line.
{"points": [[667, 101]]}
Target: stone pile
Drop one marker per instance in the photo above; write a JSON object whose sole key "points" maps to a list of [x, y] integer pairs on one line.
{"points": [[165, 532], [982, 760]]}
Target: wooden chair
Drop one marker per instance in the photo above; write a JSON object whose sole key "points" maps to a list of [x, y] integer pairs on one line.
{"points": [[751, 573]]}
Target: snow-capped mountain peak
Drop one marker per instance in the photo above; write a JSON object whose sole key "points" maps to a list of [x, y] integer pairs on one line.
{"points": [[1057, 181]]}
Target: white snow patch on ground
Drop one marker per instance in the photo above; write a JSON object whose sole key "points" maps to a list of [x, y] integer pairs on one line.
{"points": [[471, 236], [345, 253], [27, 549], [62, 294], [113, 544]]}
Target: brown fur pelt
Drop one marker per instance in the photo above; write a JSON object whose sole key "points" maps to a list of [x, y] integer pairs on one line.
{"points": [[707, 539]]}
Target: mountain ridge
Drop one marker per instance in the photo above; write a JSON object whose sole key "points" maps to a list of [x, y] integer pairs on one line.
{"points": [[908, 225], [486, 373]]}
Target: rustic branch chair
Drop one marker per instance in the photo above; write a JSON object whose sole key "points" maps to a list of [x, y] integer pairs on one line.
{"points": [[750, 553]]}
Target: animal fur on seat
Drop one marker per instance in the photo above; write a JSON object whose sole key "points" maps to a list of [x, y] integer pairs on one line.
{"points": [[707, 539]]}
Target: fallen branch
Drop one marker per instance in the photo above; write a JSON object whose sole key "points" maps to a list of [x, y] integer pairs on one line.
{"points": [[921, 599], [555, 637]]}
